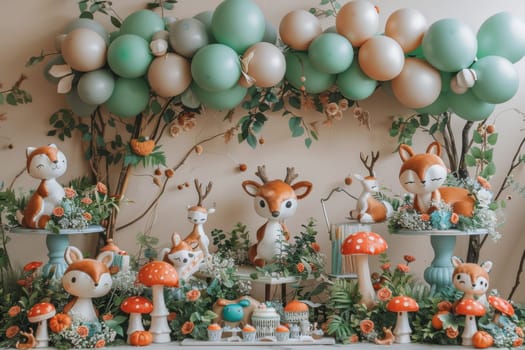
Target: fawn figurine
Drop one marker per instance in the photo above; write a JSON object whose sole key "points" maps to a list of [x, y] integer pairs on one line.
{"points": [[45, 163], [86, 279], [275, 201], [198, 215], [368, 209], [181, 255], [472, 279], [423, 174]]}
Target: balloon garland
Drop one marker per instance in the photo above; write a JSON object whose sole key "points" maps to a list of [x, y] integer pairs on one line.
{"points": [[212, 58]]}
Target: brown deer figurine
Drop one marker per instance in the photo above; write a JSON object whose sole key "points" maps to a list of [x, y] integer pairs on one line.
{"points": [[198, 215]]}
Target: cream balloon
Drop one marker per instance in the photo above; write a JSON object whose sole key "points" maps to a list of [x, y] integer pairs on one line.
{"points": [[265, 63], [407, 27], [84, 50], [381, 58], [418, 85], [169, 75], [299, 28], [358, 21]]}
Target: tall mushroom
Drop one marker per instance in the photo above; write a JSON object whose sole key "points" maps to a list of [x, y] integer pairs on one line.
{"points": [[157, 274], [363, 244], [40, 313], [135, 307], [470, 308], [501, 306], [402, 305]]}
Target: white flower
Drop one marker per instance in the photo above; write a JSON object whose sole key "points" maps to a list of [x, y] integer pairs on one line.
{"points": [[484, 198]]}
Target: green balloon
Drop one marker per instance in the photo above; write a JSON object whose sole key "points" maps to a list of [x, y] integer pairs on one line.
{"points": [[129, 56], [220, 100], [143, 23], [88, 24], [354, 84], [331, 53], [205, 17], [502, 34], [238, 24], [78, 106], [469, 107], [129, 97], [216, 67], [440, 105], [96, 87], [187, 36], [449, 45], [270, 33], [300, 72], [497, 79], [446, 77], [417, 52]]}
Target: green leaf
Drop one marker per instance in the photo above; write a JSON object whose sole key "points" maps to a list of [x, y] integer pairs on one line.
{"points": [[115, 21], [294, 123], [298, 131], [424, 120], [308, 142], [476, 152], [476, 136], [155, 107], [488, 155], [393, 132], [86, 14], [295, 102], [11, 99], [433, 129], [492, 139], [252, 141], [470, 160]]}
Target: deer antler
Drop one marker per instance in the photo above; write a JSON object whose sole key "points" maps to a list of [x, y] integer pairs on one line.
{"points": [[290, 175], [261, 173], [374, 159], [202, 196]]}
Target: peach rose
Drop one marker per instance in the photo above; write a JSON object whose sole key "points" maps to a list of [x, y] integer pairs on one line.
{"points": [[517, 342], [70, 193], [14, 311], [101, 188], [171, 316], [403, 268], [300, 267], [100, 343], [82, 331], [354, 338], [519, 332], [384, 294], [193, 295], [386, 266], [454, 218], [58, 212], [187, 327], [444, 306], [366, 326], [86, 200], [452, 333], [87, 216], [425, 217], [107, 317], [409, 258], [12, 331], [316, 247]]}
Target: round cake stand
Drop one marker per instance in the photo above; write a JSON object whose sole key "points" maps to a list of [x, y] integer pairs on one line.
{"points": [[56, 244], [439, 274]]}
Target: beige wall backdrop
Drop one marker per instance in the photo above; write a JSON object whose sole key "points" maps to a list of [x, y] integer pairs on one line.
{"points": [[27, 27]]}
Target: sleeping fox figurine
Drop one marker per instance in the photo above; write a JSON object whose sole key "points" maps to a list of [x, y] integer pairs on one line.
{"points": [[423, 175], [45, 163]]}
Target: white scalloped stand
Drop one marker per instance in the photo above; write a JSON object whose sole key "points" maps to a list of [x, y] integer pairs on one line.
{"points": [[226, 343]]}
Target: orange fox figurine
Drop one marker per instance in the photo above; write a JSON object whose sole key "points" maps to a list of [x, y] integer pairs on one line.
{"points": [[45, 163], [472, 279], [423, 174]]}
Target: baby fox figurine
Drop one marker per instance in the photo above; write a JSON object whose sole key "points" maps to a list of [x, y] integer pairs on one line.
{"points": [[472, 279], [423, 174], [45, 163]]}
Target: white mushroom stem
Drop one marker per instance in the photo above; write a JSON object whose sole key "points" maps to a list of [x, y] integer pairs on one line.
{"points": [[470, 329], [42, 337], [402, 331], [364, 282], [134, 324], [159, 316]]}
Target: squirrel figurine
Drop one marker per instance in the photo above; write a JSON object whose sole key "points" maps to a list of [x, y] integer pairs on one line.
{"points": [[45, 163]]}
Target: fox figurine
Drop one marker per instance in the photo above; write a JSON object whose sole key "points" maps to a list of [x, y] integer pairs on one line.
{"points": [[472, 279], [424, 174], [45, 163], [182, 256]]}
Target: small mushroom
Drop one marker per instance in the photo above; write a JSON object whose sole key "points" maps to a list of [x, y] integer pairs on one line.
{"points": [[363, 244], [40, 313], [135, 307], [402, 305], [501, 306], [470, 308], [157, 275]]}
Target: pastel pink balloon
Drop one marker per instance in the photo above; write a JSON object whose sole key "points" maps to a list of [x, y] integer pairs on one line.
{"points": [[407, 27], [265, 63], [169, 75], [84, 50], [299, 28], [381, 58], [358, 21]]}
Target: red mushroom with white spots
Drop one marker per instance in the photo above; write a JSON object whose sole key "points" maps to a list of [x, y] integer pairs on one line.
{"points": [[501, 307], [361, 245], [157, 275], [402, 305], [470, 308], [135, 307], [40, 313]]}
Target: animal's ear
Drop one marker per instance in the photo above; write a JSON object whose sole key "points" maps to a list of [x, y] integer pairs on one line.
{"points": [[224, 302], [456, 261], [106, 258], [29, 150], [302, 189], [73, 254], [175, 239], [164, 254], [244, 303], [486, 265], [434, 148], [250, 187], [52, 145], [405, 152], [359, 177]]}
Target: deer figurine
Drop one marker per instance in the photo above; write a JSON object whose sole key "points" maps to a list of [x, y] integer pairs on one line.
{"points": [[186, 260], [275, 201], [368, 209], [472, 279], [198, 215]]}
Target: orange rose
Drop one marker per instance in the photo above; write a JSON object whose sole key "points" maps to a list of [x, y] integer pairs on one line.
{"points": [[82, 331], [300, 267], [425, 217], [193, 295], [316, 247], [187, 327], [70, 193], [58, 212], [172, 316], [517, 342], [14, 311], [366, 326], [384, 294], [454, 218], [444, 306], [12, 331], [107, 317], [385, 266], [403, 268], [452, 333], [409, 258], [354, 338], [101, 188], [86, 200], [100, 343], [87, 216], [59, 322], [519, 332]]}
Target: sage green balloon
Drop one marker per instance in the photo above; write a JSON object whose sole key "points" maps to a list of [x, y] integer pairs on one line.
{"points": [[502, 34], [206, 17], [300, 72], [497, 79], [220, 100], [331, 53], [143, 23], [216, 67], [96, 87], [354, 84], [469, 107], [440, 105], [187, 36], [78, 106], [89, 24], [238, 24], [129, 56], [270, 33], [129, 97]]}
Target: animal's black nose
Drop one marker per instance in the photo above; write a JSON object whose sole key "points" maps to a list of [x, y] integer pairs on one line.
{"points": [[96, 284], [275, 213], [423, 181], [55, 161]]}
